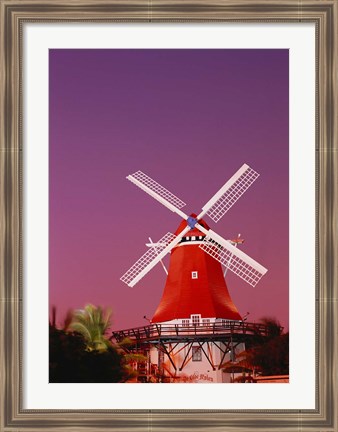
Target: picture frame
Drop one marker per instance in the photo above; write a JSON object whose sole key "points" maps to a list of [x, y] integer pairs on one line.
{"points": [[323, 13]]}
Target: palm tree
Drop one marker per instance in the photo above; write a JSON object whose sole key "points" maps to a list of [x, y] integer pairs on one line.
{"points": [[81, 352], [270, 353], [132, 359], [66, 321], [273, 327], [92, 323], [267, 354]]}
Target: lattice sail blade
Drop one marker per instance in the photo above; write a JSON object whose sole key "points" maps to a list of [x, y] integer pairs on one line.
{"points": [[152, 257], [234, 259], [157, 191], [230, 193]]}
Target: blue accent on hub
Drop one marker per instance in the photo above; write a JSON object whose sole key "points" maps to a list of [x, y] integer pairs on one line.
{"points": [[191, 222]]}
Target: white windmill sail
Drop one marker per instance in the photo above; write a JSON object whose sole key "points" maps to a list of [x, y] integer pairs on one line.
{"points": [[232, 258], [160, 193], [154, 255], [229, 193], [222, 250]]}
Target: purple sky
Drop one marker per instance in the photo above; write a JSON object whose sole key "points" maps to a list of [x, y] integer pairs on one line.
{"points": [[189, 119]]}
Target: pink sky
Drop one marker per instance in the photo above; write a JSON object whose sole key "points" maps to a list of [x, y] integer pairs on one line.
{"points": [[189, 119]]}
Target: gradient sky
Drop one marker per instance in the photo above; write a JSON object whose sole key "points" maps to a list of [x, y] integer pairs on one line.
{"points": [[189, 119]]}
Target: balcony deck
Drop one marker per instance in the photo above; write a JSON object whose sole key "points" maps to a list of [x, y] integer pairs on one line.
{"points": [[178, 332]]}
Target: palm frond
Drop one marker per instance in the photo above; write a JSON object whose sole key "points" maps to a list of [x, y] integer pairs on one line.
{"points": [[92, 322]]}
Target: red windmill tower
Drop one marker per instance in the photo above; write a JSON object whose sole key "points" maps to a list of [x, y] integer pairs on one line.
{"points": [[196, 313], [195, 284]]}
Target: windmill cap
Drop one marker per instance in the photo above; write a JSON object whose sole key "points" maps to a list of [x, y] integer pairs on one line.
{"points": [[194, 231]]}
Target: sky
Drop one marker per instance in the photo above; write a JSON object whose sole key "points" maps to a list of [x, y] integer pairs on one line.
{"points": [[189, 119]]}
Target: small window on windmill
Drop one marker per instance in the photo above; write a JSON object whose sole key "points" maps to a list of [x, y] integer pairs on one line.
{"points": [[196, 319], [185, 322], [196, 353], [194, 275]]}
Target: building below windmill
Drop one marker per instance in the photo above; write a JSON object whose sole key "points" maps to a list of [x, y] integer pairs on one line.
{"points": [[191, 352], [196, 328]]}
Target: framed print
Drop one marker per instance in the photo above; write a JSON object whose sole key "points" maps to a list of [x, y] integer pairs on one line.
{"points": [[227, 106]]}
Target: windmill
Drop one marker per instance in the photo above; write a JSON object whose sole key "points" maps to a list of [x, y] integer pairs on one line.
{"points": [[195, 294], [213, 244]]}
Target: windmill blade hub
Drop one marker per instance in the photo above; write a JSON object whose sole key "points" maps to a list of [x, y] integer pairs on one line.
{"points": [[191, 221]]}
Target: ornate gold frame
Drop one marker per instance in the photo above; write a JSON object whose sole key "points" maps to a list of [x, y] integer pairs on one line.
{"points": [[14, 13]]}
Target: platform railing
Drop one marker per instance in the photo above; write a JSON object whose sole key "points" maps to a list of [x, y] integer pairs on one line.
{"points": [[157, 330]]}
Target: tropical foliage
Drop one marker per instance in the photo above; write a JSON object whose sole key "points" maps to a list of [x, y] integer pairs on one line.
{"points": [[269, 354], [80, 350], [92, 323]]}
